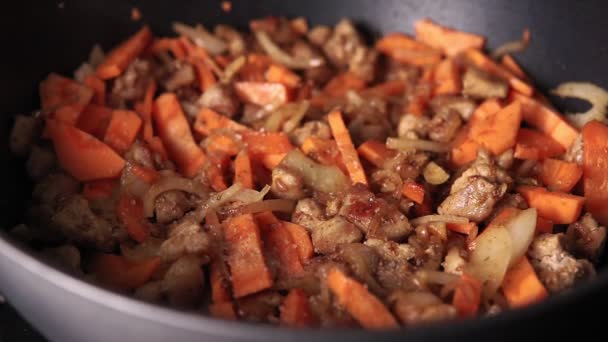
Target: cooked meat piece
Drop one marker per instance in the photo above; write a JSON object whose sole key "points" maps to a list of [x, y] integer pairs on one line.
{"points": [[429, 248], [363, 63], [131, 85], [254, 116], [556, 268], [40, 162], [391, 251], [333, 232], [260, 307], [177, 74], [184, 282], [393, 224], [586, 238], [474, 194], [386, 181], [79, 224], [481, 85], [408, 165], [412, 123], [234, 39], [192, 240], [420, 307], [463, 106], [222, 99], [55, 188], [346, 50], [315, 128], [362, 261], [139, 154], [454, 261], [319, 35], [170, 206], [394, 70], [287, 183], [444, 125], [24, 135], [308, 214], [151, 292], [67, 257], [302, 50], [575, 152]]}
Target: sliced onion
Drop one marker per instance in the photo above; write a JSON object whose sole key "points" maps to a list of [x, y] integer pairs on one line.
{"points": [[296, 117], [280, 205], [280, 56], [598, 97], [232, 69], [323, 178], [522, 228], [489, 261], [216, 200], [171, 183], [416, 144], [284, 116], [249, 196], [201, 37], [513, 46], [439, 218]]}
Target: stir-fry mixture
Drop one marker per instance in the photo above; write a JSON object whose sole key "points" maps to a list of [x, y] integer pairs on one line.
{"points": [[304, 177]]}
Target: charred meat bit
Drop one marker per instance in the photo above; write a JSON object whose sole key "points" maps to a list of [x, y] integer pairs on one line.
{"points": [[586, 238], [220, 98], [131, 85], [333, 232], [463, 106], [308, 214], [480, 85], [170, 206], [317, 129], [444, 125]]}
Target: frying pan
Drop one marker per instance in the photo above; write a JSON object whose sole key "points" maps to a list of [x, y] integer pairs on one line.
{"points": [[568, 43]]}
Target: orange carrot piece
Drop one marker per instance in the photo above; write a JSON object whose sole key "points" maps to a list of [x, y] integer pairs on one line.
{"points": [[405, 49], [194, 51], [559, 175], [559, 207], [267, 142], [216, 169], [57, 91], [487, 108], [464, 149], [221, 144], [295, 310], [174, 130], [447, 78], [242, 170], [219, 287], [543, 225], [509, 63], [99, 89], [546, 146], [375, 152], [99, 189], [366, 308], [324, 151], [261, 93], [277, 73], [413, 191], [224, 310], [168, 44], [467, 296], [249, 273], [526, 152], [342, 83], [450, 41], [120, 273], [463, 228], [485, 63], [206, 78], [122, 130], [208, 120], [94, 120], [504, 216], [130, 212], [266, 220], [521, 285], [82, 155], [280, 245], [419, 100], [388, 88], [595, 169], [146, 174], [346, 147], [272, 160], [498, 132], [255, 68], [147, 107], [120, 57], [301, 238], [546, 120]]}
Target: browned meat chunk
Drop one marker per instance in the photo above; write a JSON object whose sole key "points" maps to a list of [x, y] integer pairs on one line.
{"points": [[586, 239], [474, 194], [221, 99], [177, 74], [23, 135], [318, 129], [463, 106], [287, 183], [386, 181], [55, 188], [79, 224], [139, 154], [131, 85], [391, 251], [556, 268], [40, 162], [308, 214], [411, 123], [575, 152], [234, 39], [186, 238], [408, 165], [171, 206], [444, 125], [429, 248], [333, 232], [420, 307], [319, 35], [184, 282], [481, 85], [260, 307]]}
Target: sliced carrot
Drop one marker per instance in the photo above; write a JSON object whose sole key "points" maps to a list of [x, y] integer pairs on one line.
{"points": [[366, 308], [219, 287], [267, 142], [532, 140], [224, 310], [209, 120], [147, 107], [120, 273], [301, 238], [57, 91], [595, 169], [194, 51], [82, 155], [324, 151], [146, 174], [206, 78], [487, 108], [222, 144], [419, 100], [249, 273], [521, 285], [295, 310], [509, 63], [467, 296], [122, 130], [463, 148], [121, 56], [340, 84], [242, 170], [168, 44], [216, 171], [559, 175], [559, 207], [546, 120], [498, 132], [526, 152], [463, 228], [277, 73], [255, 68], [261, 93], [174, 130], [450, 41], [388, 88], [405, 49], [266, 220], [447, 78], [272, 160], [67, 114], [375, 152], [94, 120], [130, 212], [413, 191], [99, 89], [279, 243], [543, 225], [426, 208], [346, 147], [485, 63], [99, 189], [504, 216]]}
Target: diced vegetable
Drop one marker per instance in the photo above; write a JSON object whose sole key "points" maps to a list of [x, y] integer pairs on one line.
{"points": [[595, 170], [324, 178], [467, 296], [413, 191], [279, 243], [450, 41], [130, 212], [279, 74], [122, 130], [99, 89], [595, 95], [521, 285], [404, 49], [120, 273], [120, 57], [261, 93], [464, 228], [223, 310], [447, 78], [559, 175], [508, 62], [301, 238], [559, 207], [435, 174], [498, 132], [219, 289], [489, 261], [534, 145], [543, 225], [324, 151], [521, 227], [94, 120], [267, 143], [295, 310], [346, 147], [375, 152], [242, 170], [208, 120], [342, 83]]}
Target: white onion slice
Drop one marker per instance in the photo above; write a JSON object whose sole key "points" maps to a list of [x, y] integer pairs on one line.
{"points": [[522, 228], [491, 257], [595, 95]]}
